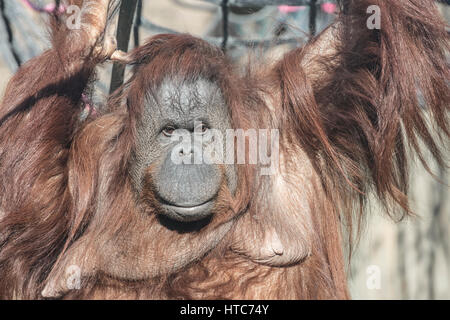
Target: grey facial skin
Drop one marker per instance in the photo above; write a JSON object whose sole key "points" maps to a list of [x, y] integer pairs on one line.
{"points": [[186, 192]]}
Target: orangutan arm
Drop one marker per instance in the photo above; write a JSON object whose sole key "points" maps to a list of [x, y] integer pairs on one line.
{"points": [[343, 100]]}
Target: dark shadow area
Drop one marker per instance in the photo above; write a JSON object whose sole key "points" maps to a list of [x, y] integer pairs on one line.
{"points": [[184, 227]]}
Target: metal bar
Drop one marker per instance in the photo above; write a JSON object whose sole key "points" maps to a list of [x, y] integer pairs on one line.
{"points": [[224, 6], [125, 24], [344, 6], [137, 24], [312, 17]]}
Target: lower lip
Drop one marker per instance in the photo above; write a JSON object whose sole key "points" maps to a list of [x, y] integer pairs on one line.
{"points": [[189, 213]]}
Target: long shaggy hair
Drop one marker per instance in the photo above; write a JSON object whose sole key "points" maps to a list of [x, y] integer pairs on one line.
{"points": [[347, 105]]}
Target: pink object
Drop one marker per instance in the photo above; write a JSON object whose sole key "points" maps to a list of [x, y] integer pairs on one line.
{"points": [[49, 8], [290, 9], [329, 7]]}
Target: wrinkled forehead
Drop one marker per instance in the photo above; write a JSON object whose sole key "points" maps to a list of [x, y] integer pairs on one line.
{"points": [[185, 98]]}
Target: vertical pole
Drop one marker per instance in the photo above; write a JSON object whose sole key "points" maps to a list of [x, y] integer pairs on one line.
{"points": [[345, 6], [126, 15], [312, 17], [225, 24], [137, 25]]}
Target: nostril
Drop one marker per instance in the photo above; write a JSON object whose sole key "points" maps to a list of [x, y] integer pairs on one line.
{"points": [[183, 150]]}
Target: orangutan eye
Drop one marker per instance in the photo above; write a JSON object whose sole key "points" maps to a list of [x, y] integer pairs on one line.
{"points": [[168, 131], [201, 128]]}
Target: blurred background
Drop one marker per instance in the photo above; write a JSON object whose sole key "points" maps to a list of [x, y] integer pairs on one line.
{"points": [[393, 260]]}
